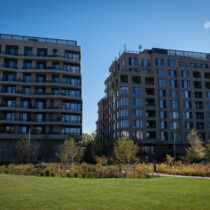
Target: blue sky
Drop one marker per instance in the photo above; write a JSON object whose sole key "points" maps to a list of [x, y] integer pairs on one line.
{"points": [[102, 27]]}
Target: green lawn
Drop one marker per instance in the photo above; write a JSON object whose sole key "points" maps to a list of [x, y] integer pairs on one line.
{"points": [[30, 192]]}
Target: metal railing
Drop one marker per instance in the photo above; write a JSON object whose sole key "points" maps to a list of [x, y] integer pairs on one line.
{"points": [[39, 39]]}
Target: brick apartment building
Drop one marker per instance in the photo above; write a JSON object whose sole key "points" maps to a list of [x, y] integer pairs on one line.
{"points": [[40, 93], [155, 97]]}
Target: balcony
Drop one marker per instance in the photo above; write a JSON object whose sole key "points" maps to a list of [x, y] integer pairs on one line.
{"points": [[39, 109]]}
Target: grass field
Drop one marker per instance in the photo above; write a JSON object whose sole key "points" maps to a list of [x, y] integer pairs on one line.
{"points": [[30, 192]]}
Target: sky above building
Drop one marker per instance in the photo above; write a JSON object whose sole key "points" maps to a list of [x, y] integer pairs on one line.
{"points": [[103, 27]]}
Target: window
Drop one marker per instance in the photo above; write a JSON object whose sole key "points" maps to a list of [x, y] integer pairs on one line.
{"points": [[174, 115], [162, 93], [185, 73], [173, 104], [174, 125], [39, 104], [124, 123], [137, 113], [172, 63], [122, 63], [12, 50], [38, 117], [24, 116], [137, 101], [41, 52], [124, 90], [185, 83], [162, 103], [137, 90], [173, 83], [124, 112], [26, 90], [24, 103], [204, 66], [187, 104], [186, 94], [28, 51], [183, 64], [160, 72], [188, 125], [208, 95], [173, 93], [161, 83], [26, 77], [23, 129], [172, 73], [163, 124], [133, 61], [159, 62], [124, 101], [187, 115], [55, 79], [137, 123], [163, 114], [40, 78], [41, 65], [27, 64], [192, 65], [145, 62], [175, 136], [163, 136]]}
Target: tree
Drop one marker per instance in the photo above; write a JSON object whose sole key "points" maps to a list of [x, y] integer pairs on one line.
{"points": [[26, 149], [207, 153], [92, 149], [196, 151], [86, 138], [125, 152], [170, 161], [70, 152]]}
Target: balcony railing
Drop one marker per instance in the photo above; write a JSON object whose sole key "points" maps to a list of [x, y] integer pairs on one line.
{"points": [[41, 94], [41, 108], [72, 56], [39, 39], [70, 70], [35, 120], [42, 82]]}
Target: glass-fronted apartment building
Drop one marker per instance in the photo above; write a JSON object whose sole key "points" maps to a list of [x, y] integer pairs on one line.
{"points": [[40, 93], [156, 97]]}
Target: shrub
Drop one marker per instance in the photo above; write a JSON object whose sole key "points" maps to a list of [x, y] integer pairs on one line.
{"points": [[47, 173]]}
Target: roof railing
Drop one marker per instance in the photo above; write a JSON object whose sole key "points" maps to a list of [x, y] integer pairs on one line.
{"points": [[39, 39]]}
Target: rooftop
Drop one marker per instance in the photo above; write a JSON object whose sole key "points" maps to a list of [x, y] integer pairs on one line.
{"points": [[180, 53], [39, 39]]}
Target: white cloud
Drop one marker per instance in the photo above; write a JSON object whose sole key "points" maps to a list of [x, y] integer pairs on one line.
{"points": [[207, 24]]}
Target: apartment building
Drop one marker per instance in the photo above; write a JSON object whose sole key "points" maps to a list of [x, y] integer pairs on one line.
{"points": [[155, 97], [40, 93]]}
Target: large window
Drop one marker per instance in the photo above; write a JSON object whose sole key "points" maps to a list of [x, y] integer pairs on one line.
{"points": [[186, 94], [124, 123], [173, 93], [124, 112], [159, 62], [124, 90], [172, 63], [172, 73], [186, 83], [185, 73], [173, 104], [173, 83], [133, 61], [137, 123], [124, 101], [187, 104], [161, 83], [137, 102], [137, 90], [160, 72], [137, 113], [174, 115]]}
